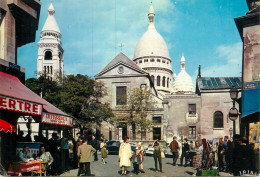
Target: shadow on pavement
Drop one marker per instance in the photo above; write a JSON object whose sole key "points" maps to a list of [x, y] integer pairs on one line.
{"points": [[190, 173]]}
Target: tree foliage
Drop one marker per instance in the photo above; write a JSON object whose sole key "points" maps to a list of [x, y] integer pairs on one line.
{"points": [[77, 95], [140, 103]]}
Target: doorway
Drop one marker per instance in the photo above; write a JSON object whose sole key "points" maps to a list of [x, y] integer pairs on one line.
{"points": [[157, 133]]}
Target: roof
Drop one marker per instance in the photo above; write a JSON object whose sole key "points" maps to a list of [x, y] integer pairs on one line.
{"points": [[216, 83], [51, 24], [120, 58], [12, 87]]}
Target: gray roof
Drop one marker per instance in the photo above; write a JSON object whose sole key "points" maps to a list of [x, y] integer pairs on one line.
{"points": [[123, 59], [216, 83]]}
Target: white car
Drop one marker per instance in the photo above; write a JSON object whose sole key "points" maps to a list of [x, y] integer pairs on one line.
{"points": [[168, 152], [149, 150]]}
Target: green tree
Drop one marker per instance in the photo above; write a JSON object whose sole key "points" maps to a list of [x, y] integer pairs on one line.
{"points": [[77, 95], [140, 103]]}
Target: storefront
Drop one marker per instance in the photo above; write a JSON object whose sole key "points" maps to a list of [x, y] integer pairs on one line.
{"points": [[16, 100]]}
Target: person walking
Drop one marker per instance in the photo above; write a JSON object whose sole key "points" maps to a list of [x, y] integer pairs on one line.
{"points": [[94, 143], [103, 147], [185, 151], [124, 155], [157, 155], [85, 157], [140, 156], [175, 150]]}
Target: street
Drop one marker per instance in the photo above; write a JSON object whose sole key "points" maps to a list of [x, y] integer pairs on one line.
{"points": [[112, 168]]}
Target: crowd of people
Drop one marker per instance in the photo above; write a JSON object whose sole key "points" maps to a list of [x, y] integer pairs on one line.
{"points": [[232, 156]]}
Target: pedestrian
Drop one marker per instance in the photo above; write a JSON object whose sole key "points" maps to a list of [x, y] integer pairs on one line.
{"points": [[191, 153], [103, 147], [185, 151], [221, 151], [85, 157], [94, 143], [175, 150], [140, 156], [244, 159], [157, 155], [197, 157], [124, 155], [64, 143], [46, 157], [53, 149], [205, 154]]}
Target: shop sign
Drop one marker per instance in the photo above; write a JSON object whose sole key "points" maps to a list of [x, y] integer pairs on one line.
{"points": [[12, 104], [250, 85], [56, 119]]}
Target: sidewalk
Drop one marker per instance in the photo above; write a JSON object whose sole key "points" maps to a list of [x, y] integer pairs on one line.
{"points": [[224, 174]]}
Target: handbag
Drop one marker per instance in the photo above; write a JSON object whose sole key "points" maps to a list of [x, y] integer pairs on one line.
{"points": [[162, 155]]}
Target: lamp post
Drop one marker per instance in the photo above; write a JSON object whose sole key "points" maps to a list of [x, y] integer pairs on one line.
{"points": [[230, 132], [233, 113]]}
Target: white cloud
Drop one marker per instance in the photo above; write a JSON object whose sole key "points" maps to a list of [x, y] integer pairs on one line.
{"points": [[229, 62]]}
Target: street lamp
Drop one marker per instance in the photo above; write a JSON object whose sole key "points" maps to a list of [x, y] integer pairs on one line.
{"points": [[230, 132], [233, 113]]}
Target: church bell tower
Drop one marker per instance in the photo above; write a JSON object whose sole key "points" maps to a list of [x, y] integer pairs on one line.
{"points": [[50, 51]]}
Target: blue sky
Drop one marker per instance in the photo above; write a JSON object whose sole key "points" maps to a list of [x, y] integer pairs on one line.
{"points": [[92, 31]]}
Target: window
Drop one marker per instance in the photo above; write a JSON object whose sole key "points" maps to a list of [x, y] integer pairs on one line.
{"points": [[192, 132], [145, 60], [48, 69], [158, 80], [140, 61], [152, 60], [192, 108], [158, 60], [163, 61], [218, 119], [48, 55], [167, 82], [152, 78], [157, 119], [167, 62], [156, 133], [121, 95], [163, 81], [51, 69], [44, 70]]}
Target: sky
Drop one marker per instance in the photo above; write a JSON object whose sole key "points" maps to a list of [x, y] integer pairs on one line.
{"points": [[92, 32]]}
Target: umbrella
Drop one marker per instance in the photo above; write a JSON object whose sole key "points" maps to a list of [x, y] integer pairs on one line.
{"points": [[6, 127]]}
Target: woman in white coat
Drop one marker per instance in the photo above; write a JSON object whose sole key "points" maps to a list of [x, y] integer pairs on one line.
{"points": [[125, 155]]}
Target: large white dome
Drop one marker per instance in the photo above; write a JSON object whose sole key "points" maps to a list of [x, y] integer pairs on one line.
{"points": [[183, 82], [151, 43]]}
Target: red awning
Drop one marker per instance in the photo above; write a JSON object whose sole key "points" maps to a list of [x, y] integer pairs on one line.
{"points": [[15, 96], [6, 127]]}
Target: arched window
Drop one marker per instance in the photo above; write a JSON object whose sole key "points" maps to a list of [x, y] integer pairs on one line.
{"points": [[158, 80], [168, 82], [218, 119], [48, 55], [163, 81], [152, 78]]}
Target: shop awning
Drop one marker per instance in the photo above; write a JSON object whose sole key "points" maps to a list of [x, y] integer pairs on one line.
{"points": [[14, 96], [250, 98], [6, 127]]}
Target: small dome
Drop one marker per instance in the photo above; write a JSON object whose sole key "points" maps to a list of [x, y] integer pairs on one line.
{"points": [[183, 82], [151, 43], [51, 24]]}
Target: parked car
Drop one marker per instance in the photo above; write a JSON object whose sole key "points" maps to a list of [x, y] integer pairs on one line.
{"points": [[113, 146], [133, 146], [168, 152], [149, 150]]}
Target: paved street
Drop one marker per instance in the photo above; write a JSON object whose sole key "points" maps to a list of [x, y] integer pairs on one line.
{"points": [[112, 168]]}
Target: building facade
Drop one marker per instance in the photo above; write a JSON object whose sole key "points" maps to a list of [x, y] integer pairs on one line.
{"points": [[50, 51]]}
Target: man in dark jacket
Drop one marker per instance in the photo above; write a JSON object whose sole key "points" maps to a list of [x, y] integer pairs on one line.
{"points": [[185, 151], [94, 143], [175, 150], [243, 159]]}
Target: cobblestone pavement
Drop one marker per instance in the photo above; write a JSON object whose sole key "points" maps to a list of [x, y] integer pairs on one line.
{"points": [[112, 168]]}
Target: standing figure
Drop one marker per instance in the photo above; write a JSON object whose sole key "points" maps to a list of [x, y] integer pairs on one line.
{"points": [[94, 144], [53, 148], [175, 150], [124, 155], [85, 157], [140, 156], [103, 147], [185, 151], [197, 158], [221, 151], [157, 155]]}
